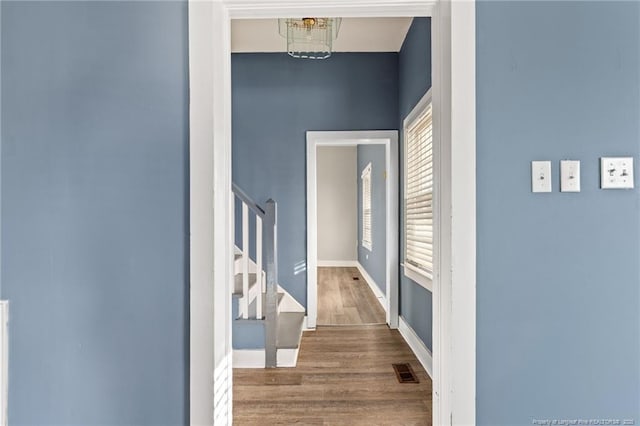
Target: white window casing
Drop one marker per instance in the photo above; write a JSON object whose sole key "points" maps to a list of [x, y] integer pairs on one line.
{"points": [[367, 240], [419, 193]]}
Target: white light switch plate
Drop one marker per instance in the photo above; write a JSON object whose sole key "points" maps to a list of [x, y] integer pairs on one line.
{"points": [[569, 176], [541, 176], [616, 172]]}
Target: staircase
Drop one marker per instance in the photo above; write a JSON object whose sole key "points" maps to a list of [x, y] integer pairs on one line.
{"points": [[267, 321]]}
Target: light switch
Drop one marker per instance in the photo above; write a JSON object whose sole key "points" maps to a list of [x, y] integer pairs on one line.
{"points": [[541, 176], [616, 172], [569, 176]]}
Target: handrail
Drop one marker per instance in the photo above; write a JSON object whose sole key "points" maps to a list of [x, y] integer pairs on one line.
{"points": [[247, 200]]}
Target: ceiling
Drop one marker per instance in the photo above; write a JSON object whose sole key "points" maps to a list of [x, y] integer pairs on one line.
{"points": [[356, 35]]}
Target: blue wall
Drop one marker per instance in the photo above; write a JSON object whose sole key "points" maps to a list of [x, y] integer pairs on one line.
{"points": [[415, 81], [374, 261], [558, 329], [95, 211], [276, 99], [94, 201]]}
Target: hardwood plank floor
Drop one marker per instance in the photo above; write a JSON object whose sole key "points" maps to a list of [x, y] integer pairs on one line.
{"points": [[345, 301], [343, 377]]}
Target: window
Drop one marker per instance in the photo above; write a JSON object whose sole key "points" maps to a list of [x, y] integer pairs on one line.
{"points": [[366, 207], [418, 199]]}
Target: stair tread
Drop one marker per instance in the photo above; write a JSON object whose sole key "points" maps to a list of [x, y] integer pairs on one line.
{"points": [[289, 329], [248, 321], [237, 284], [253, 307]]}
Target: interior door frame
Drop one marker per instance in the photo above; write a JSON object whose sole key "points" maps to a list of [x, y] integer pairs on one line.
{"points": [[388, 139], [211, 249]]}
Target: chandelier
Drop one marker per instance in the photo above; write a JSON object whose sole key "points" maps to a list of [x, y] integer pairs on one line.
{"points": [[309, 38]]}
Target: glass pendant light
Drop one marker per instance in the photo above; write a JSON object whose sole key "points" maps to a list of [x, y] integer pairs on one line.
{"points": [[309, 38]]}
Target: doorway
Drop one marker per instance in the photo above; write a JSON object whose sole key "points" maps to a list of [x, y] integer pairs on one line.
{"points": [[351, 203], [211, 251], [365, 145]]}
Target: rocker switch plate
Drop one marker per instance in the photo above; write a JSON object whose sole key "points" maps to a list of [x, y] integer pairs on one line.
{"points": [[541, 176]]}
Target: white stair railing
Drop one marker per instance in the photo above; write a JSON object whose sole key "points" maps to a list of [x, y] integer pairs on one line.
{"points": [[249, 293], [267, 281]]}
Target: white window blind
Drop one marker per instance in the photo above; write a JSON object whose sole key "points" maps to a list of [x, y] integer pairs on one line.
{"points": [[366, 207], [419, 193]]}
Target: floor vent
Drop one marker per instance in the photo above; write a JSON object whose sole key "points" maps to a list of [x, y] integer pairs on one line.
{"points": [[405, 373]]}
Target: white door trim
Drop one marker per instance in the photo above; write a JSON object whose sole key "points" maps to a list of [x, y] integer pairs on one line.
{"points": [[388, 138], [454, 354], [460, 332], [210, 207]]}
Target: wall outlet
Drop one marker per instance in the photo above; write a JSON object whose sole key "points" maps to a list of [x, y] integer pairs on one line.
{"points": [[541, 176], [569, 176], [616, 172]]}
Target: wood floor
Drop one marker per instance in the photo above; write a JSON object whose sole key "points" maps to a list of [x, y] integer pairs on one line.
{"points": [[343, 377], [345, 301]]}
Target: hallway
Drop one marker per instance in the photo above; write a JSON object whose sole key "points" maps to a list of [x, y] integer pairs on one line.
{"points": [[343, 377], [345, 300]]}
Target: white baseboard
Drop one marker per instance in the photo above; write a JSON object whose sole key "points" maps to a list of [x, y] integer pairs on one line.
{"points": [[287, 357], [338, 263], [417, 346], [373, 286], [254, 358], [248, 358]]}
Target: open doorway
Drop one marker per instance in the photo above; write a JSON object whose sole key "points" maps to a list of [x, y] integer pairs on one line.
{"points": [[352, 234], [376, 246], [211, 258], [281, 104]]}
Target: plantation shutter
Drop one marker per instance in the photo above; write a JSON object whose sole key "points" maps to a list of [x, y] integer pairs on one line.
{"points": [[366, 207], [419, 193]]}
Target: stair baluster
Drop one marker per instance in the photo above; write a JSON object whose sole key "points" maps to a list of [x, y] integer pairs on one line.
{"points": [[245, 261], [259, 281]]}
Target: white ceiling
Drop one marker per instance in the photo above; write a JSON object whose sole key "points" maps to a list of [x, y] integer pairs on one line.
{"points": [[356, 35]]}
